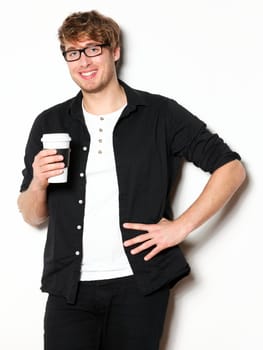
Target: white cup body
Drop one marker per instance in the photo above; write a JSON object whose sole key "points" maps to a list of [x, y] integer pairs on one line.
{"points": [[60, 142]]}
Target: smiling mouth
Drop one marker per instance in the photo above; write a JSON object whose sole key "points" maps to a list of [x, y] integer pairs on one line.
{"points": [[88, 74]]}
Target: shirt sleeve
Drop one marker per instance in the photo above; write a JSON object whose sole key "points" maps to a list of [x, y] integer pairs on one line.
{"points": [[33, 146], [209, 151], [191, 139]]}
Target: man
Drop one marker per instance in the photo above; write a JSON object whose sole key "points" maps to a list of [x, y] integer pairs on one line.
{"points": [[112, 247]]}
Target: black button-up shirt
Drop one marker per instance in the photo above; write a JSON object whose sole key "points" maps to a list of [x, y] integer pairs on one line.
{"points": [[150, 138]]}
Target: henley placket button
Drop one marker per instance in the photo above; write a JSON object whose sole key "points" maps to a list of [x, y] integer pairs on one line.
{"points": [[84, 148], [79, 227], [77, 252], [80, 201], [81, 174]]}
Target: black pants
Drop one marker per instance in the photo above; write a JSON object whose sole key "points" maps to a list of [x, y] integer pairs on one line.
{"points": [[108, 315]]}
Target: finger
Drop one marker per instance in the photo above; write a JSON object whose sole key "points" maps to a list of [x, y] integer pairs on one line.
{"points": [[47, 156], [45, 153], [44, 171], [137, 239], [50, 159], [152, 253], [40, 170], [48, 163], [52, 166], [136, 226], [163, 220], [146, 245], [54, 173]]}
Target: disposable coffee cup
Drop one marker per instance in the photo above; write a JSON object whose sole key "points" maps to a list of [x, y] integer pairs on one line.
{"points": [[60, 142]]}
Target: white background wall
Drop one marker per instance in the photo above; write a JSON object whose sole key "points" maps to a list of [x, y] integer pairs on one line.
{"points": [[208, 56]]}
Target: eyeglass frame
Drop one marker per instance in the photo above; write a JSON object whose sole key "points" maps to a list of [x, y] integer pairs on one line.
{"points": [[80, 51]]}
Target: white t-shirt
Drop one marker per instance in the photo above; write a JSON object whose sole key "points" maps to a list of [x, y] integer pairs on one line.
{"points": [[103, 252]]}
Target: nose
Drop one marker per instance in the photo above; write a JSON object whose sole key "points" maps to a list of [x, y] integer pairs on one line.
{"points": [[84, 60]]}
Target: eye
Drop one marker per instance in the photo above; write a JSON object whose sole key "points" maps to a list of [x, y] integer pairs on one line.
{"points": [[93, 50], [72, 54]]}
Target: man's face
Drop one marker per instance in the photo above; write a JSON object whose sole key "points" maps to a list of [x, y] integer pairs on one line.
{"points": [[93, 74]]}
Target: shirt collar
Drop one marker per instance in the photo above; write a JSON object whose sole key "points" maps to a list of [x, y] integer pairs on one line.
{"points": [[134, 98]]}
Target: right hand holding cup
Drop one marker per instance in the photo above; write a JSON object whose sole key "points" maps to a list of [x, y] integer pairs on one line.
{"points": [[47, 163]]}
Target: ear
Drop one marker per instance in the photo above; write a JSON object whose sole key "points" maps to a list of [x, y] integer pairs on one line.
{"points": [[117, 53]]}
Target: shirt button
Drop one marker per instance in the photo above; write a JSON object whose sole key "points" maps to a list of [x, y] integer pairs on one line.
{"points": [[100, 140], [79, 227], [77, 252], [81, 174], [80, 201], [101, 118], [100, 152], [84, 148], [100, 129]]}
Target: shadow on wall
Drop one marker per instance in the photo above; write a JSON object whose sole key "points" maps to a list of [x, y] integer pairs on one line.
{"points": [[121, 63], [189, 249]]}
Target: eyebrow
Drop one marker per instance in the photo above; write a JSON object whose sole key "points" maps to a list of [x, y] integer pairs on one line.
{"points": [[87, 45]]}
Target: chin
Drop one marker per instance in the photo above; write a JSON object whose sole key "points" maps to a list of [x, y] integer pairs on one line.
{"points": [[93, 88]]}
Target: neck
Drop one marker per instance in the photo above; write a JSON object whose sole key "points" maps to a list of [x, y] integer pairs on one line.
{"points": [[105, 101]]}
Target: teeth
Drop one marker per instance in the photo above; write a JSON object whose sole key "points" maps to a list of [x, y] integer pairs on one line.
{"points": [[87, 74]]}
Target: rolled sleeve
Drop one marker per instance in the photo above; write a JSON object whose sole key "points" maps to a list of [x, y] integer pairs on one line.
{"points": [[192, 140], [209, 151]]}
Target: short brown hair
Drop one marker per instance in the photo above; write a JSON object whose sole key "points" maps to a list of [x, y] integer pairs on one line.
{"points": [[93, 25]]}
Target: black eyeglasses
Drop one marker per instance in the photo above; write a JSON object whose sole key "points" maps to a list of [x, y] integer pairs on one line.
{"points": [[89, 51]]}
